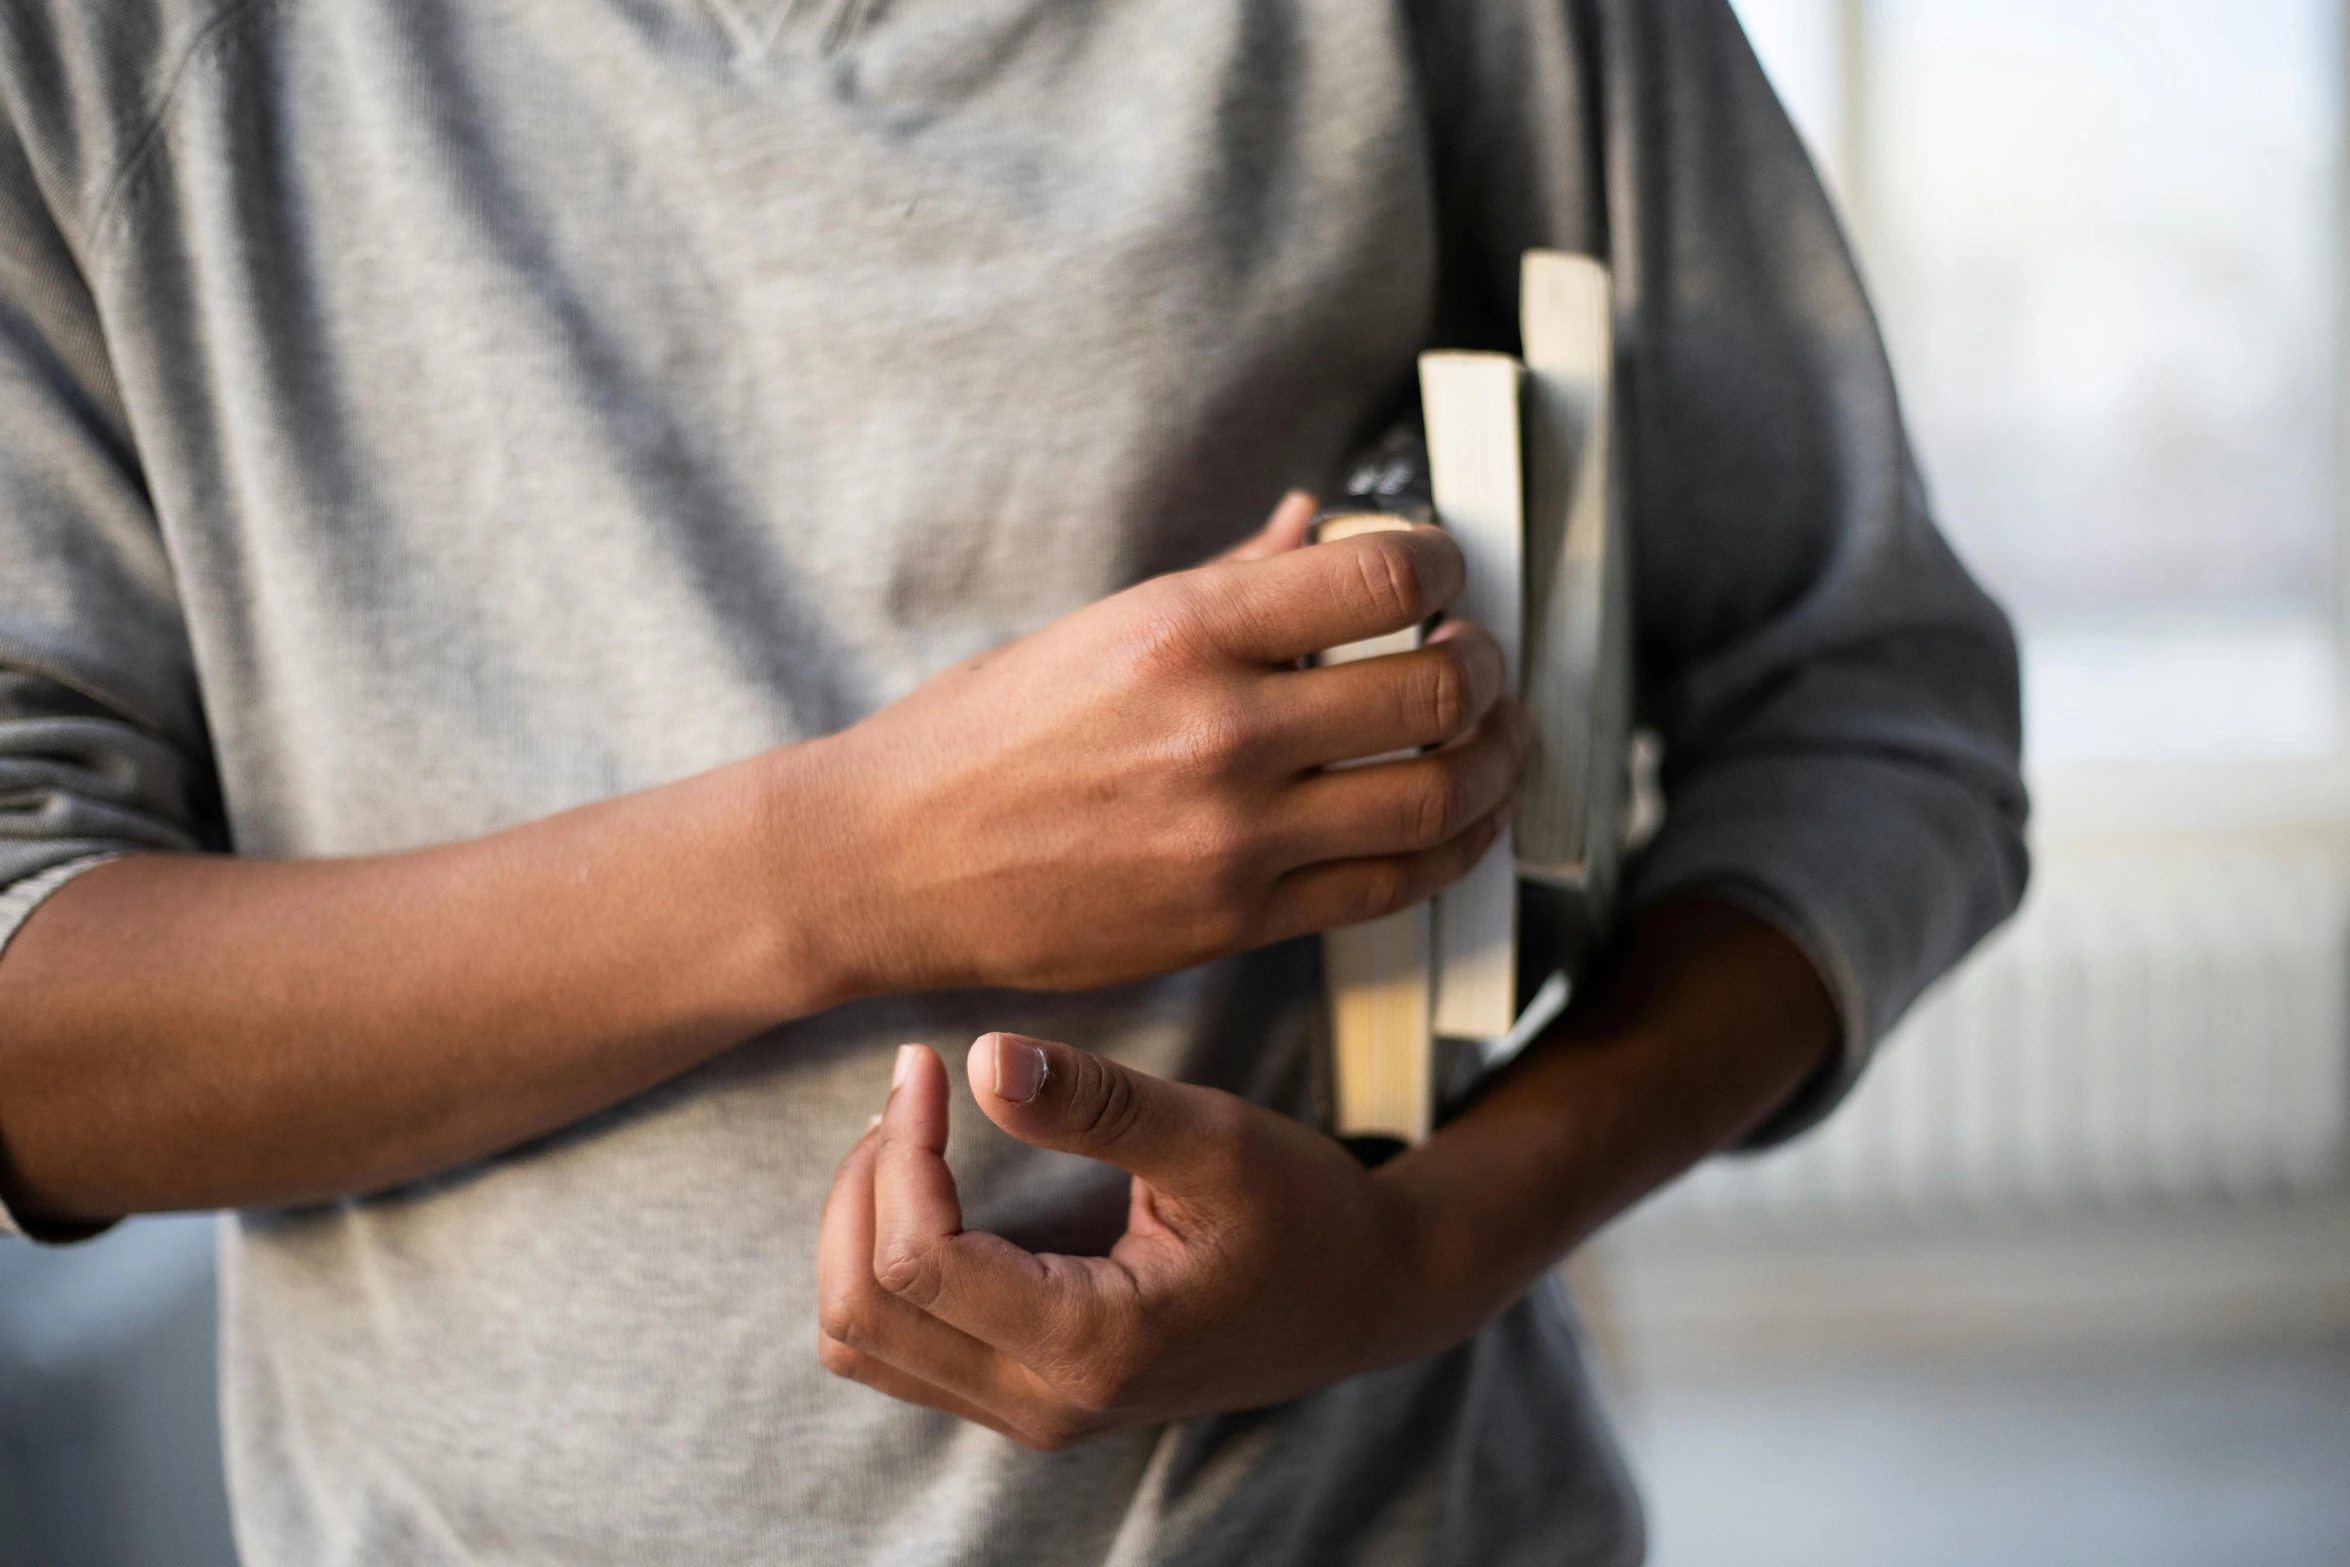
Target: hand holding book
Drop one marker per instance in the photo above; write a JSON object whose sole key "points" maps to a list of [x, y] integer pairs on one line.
{"points": [[1141, 786]]}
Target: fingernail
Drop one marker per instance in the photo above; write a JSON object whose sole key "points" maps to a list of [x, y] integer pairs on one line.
{"points": [[1020, 1069], [905, 1064], [870, 1125]]}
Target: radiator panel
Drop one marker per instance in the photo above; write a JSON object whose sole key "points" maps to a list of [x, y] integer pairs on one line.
{"points": [[2157, 1024]]}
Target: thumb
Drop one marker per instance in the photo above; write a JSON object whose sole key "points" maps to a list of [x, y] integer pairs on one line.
{"points": [[1053, 1096]]}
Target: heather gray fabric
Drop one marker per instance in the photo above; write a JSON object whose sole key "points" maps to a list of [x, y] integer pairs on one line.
{"points": [[418, 416]]}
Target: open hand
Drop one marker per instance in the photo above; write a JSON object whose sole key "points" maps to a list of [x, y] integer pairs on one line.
{"points": [[1260, 1261], [1142, 785]]}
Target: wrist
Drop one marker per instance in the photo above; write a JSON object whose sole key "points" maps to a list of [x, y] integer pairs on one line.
{"points": [[798, 886], [1706, 1020], [1465, 1254], [1503, 1193]]}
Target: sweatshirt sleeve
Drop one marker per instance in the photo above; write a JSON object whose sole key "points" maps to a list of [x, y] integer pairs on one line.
{"points": [[103, 748], [1837, 697]]}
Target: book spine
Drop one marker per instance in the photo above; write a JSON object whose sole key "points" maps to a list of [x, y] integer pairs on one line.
{"points": [[1384, 1056], [1377, 974], [1471, 403], [1574, 622]]}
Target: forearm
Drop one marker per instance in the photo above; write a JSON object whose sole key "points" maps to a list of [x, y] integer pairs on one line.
{"points": [[1707, 1021], [182, 1032], [1137, 789]]}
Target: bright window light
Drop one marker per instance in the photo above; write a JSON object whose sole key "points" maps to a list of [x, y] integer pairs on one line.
{"points": [[2101, 236]]}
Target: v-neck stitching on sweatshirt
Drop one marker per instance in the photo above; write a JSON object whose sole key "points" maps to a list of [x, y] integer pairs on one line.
{"points": [[758, 26]]}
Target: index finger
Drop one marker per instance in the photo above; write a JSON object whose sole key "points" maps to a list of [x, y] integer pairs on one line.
{"points": [[1279, 610], [1043, 1311]]}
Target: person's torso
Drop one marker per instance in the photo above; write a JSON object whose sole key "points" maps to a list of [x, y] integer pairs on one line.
{"points": [[548, 398]]}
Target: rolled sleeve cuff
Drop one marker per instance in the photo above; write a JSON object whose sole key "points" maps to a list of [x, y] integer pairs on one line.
{"points": [[19, 898], [1856, 860]]}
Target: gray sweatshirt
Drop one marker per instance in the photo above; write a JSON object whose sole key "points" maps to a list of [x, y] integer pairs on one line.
{"points": [[420, 416]]}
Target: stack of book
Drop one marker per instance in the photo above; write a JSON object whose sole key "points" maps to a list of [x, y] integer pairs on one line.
{"points": [[1526, 470]]}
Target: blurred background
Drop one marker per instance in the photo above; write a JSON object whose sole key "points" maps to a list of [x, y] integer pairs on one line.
{"points": [[2068, 1282]]}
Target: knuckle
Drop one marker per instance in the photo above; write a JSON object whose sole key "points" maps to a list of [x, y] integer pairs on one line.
{"points": [[1172, 628], [908, 1270], [1434, 807], [1212, 741], [838, 1358], [1386, 886], [849, 1317], [1393, 580], [1449, 695], [842, 1322], [1224, 847], [1103, 1106]]}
